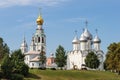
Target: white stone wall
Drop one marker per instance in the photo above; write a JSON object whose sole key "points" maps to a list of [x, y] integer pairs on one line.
{"points": [[74, 58], [34, 64], [77, 58], [29, 57]]}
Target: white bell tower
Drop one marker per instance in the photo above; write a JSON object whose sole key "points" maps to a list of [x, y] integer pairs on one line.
{"points": [[39, 36]]}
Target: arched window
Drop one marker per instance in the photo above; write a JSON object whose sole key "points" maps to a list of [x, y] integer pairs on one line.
{"points": [[42, 39], [38, 39]]}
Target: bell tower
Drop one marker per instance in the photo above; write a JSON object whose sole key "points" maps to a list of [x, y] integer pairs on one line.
{"points": [[39, 36]]}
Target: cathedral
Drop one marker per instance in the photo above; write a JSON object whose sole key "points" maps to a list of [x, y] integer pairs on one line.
{"points": [[81, 47], [37, 46]]}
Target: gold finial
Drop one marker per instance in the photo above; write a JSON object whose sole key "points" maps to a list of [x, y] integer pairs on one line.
{"points": [[39, 19]]}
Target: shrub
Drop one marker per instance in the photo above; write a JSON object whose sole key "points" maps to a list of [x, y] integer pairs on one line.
{"points": [[17, 77], [42, 68], [24, 69], [1, 75], [53, 68]]}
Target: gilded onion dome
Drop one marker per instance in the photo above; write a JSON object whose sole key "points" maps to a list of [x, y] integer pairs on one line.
{"points": [[39, 20]]}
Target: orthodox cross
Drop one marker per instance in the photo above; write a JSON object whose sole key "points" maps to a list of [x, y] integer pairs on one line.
{"points": [[86, 23]]}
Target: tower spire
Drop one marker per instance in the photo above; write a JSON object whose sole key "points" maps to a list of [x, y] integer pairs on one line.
{"points": [[24, 47], [24, 38]]}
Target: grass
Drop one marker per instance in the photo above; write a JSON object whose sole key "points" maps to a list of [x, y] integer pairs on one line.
{"points": [[36, 74]]}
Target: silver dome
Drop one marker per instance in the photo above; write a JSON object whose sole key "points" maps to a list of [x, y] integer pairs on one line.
{"points": [[75, 40], [83, 38], [96, 39], [87, 34]]}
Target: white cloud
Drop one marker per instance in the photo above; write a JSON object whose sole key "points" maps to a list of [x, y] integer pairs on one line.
{"points": [[26, 25], [9, 3], [78, 19]]}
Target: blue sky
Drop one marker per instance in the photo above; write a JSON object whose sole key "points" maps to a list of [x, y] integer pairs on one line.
{"points": [[61, 19]]}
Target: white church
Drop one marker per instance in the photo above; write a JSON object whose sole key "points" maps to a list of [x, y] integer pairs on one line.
{"points": [[81, 47], [38, 43]]}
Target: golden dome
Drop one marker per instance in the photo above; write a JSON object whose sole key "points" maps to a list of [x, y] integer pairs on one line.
{"points": [[39, 20]]}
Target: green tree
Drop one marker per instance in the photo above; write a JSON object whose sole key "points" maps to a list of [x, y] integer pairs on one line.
{"points": [[7, 66], [42, 57], [4, 49], [92, 60], [60, 56], [18, 60], [112, 61]]}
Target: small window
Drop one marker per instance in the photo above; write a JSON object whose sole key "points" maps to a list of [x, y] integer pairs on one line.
{"points": [[38, 39], [32, 64]]}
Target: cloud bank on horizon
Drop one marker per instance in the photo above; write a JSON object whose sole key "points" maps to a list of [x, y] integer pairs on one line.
{"points": [[10, 3]]}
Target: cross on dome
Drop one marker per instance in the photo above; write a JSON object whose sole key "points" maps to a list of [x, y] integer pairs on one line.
{"points": [[86, 23], [39, 19], [96, 31]]}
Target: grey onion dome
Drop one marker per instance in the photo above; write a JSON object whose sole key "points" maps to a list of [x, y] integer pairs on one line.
{"points": [[83, 38], [96, 39], [75, 40], [51, 54], [87, 34]]}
